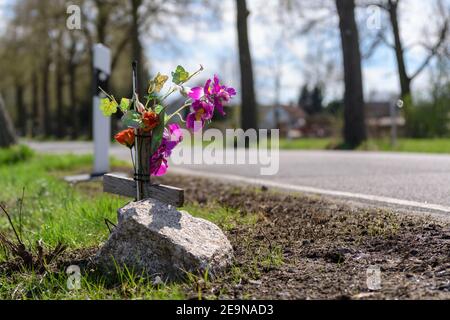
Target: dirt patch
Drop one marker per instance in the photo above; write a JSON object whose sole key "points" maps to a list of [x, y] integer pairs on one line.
{"points": [[306, 247]]}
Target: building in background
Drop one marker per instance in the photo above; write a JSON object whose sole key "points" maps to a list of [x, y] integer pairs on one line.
{"points": [[380, 118]]}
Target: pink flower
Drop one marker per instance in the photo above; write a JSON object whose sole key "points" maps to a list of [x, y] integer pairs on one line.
{"points": [[201, 111], [214, 93], [172, 136], [221, 94], [158, 166], [196, 93]]}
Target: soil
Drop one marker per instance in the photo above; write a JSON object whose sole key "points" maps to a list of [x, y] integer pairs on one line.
{"points": [[325, 247]]}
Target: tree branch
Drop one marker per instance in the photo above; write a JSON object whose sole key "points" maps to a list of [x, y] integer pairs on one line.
{"points": [[433, 50]]}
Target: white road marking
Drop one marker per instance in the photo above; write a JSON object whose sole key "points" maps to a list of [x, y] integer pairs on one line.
{"points": [[306, 189]]}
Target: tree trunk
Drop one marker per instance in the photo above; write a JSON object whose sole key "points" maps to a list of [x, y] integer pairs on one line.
{"points": [[102, 20], [59, 86], [72, 71], [249, 116], [354, 122], [405, 81], [45, 121], [21, 120], [7, 134], [35, 124]]}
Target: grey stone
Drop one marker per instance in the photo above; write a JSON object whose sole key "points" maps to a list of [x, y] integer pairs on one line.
{"points": [[156, 239]]}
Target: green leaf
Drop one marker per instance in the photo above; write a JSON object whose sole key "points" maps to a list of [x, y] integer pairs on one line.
{"points": [[158, 132], [152, 99], [108, 107], [158, 108], [124, 105], [132, 119], [180, 75]]}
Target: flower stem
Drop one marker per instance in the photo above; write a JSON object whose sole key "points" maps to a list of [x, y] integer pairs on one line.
{"points": [[132, 159], [194, 74], [172, 90], [179, 110], [106, 94]]}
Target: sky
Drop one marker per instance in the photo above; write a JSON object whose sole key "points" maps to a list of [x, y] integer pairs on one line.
{"points": [[298, 52], [300, 58]]}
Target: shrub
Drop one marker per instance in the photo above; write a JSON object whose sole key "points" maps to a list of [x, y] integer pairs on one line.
{"points": [[429, 119], [15, 154]]}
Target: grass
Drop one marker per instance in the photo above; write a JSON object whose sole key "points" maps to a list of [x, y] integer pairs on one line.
{"points": [[305, 143], [55, 212], [15, 154], [53, 285], [440, 145], [412, 145]]}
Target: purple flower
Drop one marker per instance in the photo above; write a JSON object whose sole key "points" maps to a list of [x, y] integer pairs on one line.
{"points": [[214, 93], [158, 166], [221, 94], [201, 111], [196, 93], [172, 136]]}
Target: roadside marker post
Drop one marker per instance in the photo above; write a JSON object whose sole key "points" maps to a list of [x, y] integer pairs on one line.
{"points": [[101, 125]]}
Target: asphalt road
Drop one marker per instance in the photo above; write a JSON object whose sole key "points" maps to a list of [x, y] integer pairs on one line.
{"points": [[417, 181]]}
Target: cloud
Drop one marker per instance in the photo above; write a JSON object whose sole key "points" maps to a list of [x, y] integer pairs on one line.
{"points": [[2, 16]]}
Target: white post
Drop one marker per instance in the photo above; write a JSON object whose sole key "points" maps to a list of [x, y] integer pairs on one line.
{"points": [[393, 113], [101, 124]]}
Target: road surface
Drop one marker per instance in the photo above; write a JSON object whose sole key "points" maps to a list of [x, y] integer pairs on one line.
{"points": [[413, 181]]}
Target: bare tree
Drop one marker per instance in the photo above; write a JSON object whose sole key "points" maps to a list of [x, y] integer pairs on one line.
{"points": [[354, 122], [14, 52], [249, 117], [392, 9], [7, 134]]}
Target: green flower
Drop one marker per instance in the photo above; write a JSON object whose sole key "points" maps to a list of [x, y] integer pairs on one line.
{"points": [[180, 75], [108, 107], [124, 105]]}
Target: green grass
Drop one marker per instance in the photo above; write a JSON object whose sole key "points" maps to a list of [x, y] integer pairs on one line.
{"points": [[305, 144], [411, 145], [15, 154], [441, 145], [55, 212], [52, 210], [53, 285]]}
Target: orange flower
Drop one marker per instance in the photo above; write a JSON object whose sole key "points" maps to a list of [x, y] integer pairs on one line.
{"points": [[125, 137], [150, 120]]}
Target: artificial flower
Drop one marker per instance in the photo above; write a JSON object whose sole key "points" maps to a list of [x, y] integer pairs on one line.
{"points": [[158, 165], [150, 120], [201, 111], [172, 136], [125, 137], [108, 107], [221, 94], [214, 93]]}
